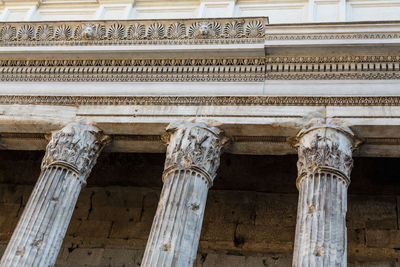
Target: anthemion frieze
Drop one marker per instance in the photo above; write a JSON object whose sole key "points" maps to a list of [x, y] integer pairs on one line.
{"points": [[188, 31]]}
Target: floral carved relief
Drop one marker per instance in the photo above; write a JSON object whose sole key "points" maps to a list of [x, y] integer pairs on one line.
{"points": [[76, 146], [126, 32], [194, 146], [325, 148]]}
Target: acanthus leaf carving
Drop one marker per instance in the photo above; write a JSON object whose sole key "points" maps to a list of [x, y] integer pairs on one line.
{"points": [[325, 147], [194, 145], [76, 146]]}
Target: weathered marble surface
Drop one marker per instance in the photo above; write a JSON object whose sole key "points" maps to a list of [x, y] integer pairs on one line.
{"points": [[70, 156], [324, 167], [192, 159]]}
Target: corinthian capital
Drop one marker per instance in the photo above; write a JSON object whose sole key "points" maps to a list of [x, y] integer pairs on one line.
{"points": [[194, 145], [325, 148], [76, 146]]}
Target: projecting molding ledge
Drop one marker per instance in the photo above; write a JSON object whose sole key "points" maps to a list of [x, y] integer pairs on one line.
{"points": [[256, 125], [133, 36], [230, 35]]}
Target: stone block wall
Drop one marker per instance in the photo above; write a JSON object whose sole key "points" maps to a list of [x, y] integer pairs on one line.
{"points": [[111, 224]]}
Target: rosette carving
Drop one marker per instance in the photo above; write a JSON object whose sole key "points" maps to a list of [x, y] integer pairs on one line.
{"points": [[194, 146], [76, 147], [325, 148]]}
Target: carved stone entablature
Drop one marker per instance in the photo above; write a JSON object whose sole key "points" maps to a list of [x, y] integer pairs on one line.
{"points": [[203, 100], [339, 67], [134, 70], [196, 146], [333, 36], [325, 148], [134, 32], [233, 69], [76, 147]]}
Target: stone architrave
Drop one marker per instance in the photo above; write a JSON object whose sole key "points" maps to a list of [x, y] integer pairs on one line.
{"points": [[192, 159], [69, 159], [324, 167]]}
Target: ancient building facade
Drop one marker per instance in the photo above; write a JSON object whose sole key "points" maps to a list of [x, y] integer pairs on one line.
{"points": [[196, 113]]}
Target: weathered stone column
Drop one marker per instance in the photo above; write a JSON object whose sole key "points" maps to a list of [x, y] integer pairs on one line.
{"points": [[70, 156], [324, 167], [191, 163]]}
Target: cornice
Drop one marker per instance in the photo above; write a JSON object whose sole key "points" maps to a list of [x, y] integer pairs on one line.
{"points": [[134, 32], [202, 100], [239, 69], [393, 75], [333, 36], [368, 32], [338, 67], [134, 70], [340, 58], [205, 31], [236, 139]]}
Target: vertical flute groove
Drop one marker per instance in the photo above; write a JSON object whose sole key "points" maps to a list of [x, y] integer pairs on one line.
{"points": [[323, 245], [177, 209], [190, 167], [69, 158], [324, 166]]}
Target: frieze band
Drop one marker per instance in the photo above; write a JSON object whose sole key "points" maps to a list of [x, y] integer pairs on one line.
{"points": [[188, 31], [203, 100], [240, 69], [332, 36]]}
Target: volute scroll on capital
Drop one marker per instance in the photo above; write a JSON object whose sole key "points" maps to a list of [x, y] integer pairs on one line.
{"points": [[325, 147], [76, 147], [194, 146]]}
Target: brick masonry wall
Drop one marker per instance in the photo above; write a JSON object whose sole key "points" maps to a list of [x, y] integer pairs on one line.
{"points": [[110, 226]]}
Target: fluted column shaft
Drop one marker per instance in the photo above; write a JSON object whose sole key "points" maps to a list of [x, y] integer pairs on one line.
{"points": [[191, 163], [70, 156], [324, 167]]}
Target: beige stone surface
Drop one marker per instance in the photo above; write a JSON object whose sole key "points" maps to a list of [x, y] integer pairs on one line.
{"points": [[255, 226], [70, 156], [236, 239]]}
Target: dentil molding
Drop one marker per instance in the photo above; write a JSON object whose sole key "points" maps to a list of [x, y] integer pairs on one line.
{"points": [[232, 69], [203, 100]]}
